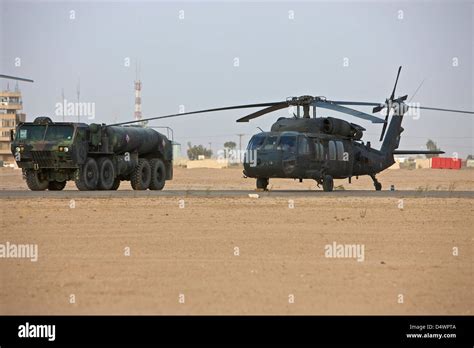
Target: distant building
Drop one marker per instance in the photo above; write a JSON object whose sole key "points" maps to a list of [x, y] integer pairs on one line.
{"points": [[10, 116]]}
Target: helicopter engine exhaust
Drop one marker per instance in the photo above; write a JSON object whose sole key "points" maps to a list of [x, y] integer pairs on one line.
{"points": [[340, 127]]}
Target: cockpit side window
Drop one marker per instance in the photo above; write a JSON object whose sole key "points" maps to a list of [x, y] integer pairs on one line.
{"points": [[303, 146]]}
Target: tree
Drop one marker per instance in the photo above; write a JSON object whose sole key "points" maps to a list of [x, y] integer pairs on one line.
{"points": [[230, 145], [431, 146], [195, 151]]}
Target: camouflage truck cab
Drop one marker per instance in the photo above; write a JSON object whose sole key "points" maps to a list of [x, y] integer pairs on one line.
{"points": [[96, 157]]}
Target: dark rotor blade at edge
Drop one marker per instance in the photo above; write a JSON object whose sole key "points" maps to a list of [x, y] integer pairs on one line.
{"points": [[333, 106], [396, 82], [259, 113], [198, 112], [15, 78], [439, 109]]}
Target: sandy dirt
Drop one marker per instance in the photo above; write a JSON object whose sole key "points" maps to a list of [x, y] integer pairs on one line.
{"points": [[232, 178], [191, 250]]}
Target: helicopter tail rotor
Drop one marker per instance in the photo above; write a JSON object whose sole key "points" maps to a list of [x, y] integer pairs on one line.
{"points": [[389, 104]]}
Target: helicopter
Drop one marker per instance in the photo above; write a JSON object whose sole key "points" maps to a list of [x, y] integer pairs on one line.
{"points": [[321, 148]]}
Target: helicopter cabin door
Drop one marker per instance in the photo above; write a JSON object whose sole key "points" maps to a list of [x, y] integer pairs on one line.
{"points": [[287, 147], [304, 157], [340, 158]]}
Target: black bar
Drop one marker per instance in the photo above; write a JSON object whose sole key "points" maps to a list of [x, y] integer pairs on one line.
{"points": [[289, 330]]}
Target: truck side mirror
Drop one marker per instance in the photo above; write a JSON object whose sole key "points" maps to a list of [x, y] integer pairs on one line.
{"points": [[12, 135]]}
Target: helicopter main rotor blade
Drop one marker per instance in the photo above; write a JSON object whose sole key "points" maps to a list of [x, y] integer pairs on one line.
{"points": [[15, 78], [343, 102], [198, 112], [448, 110], [277, 106], [327, 104]]}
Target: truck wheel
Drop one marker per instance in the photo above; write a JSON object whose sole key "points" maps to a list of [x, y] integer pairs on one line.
{"points": [[88, 176], [34, 182], [106, 173], [141, 176], [56, 185], [116, 184], [328, 183], [158, 174]]}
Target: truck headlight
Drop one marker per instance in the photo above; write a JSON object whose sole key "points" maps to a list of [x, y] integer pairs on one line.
{"points": [[66, 149], [17, 149]]}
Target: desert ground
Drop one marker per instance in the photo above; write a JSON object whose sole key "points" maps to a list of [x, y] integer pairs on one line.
{"points": [[242, 255]]}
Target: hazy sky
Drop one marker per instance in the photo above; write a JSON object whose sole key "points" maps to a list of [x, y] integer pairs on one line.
{"points": [[283, 49]]}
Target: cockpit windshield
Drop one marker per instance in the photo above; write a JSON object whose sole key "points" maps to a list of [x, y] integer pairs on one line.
{"points": [[256, 141], [271, 142], [288, 143]]}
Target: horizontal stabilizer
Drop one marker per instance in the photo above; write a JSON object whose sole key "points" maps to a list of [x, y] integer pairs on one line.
{"points": [[417, 152]]}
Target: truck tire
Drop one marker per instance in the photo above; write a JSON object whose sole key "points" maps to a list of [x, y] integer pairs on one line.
{"points": [[116, 184], [106, 173], [141, 175], [158, 174], [56, 185], [34, 182], [88, 175]]}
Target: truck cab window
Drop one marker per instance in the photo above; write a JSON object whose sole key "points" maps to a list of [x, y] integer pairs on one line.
{"points": [[58, 133]]}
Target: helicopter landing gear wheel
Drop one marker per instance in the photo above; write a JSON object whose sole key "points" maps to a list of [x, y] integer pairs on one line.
{"points": [[328, 183], [262, 183], [377, 184]]}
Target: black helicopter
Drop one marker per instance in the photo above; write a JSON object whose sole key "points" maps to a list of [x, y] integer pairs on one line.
{"points": [[321, 148]]}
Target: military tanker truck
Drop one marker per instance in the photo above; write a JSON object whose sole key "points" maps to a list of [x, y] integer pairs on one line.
{"points": [[95, 156]]}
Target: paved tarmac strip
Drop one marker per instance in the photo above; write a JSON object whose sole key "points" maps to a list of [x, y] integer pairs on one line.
{"points": [[8, 194]]}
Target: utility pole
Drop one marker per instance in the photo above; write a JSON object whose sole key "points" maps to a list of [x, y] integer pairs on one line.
{"points": [[240, 141], [138, 94], [78, 98], [240, 146], [62, 101]]}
